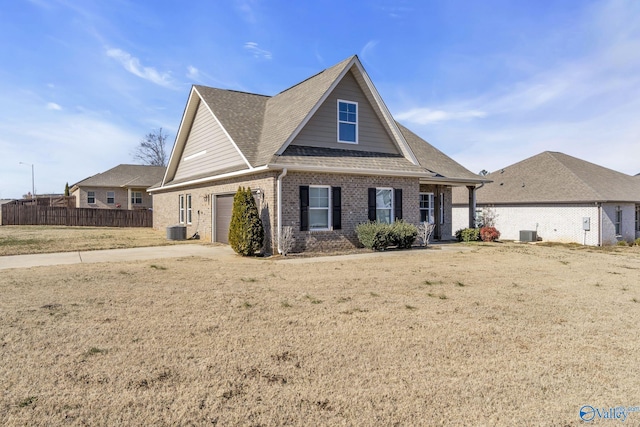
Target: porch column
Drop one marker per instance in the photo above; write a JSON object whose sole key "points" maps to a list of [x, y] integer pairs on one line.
{"points": [[472, 205], [129, 198], [437, 231]]}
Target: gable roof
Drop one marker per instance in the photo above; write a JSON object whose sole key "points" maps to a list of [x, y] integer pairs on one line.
{"points": [[552, 177], [126, 176], [261, 129]]}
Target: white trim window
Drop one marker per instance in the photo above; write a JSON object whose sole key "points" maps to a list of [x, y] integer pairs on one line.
{"points": [[319, 207], [426, 208], [637, 217], [188, 208], [91, 197], [181, 208], [618, 221], [111, 197], [347, 122], [384, 205], [136, 197]]}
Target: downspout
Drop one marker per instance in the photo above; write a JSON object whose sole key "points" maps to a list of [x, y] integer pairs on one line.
{"points": [[279, 191]]}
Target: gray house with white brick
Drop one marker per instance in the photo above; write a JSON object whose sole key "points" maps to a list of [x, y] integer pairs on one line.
{"points": [[320, 157], [562, 198]]}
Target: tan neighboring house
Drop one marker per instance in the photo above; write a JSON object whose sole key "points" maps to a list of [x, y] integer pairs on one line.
{"points": [[561, 198], [321, 157], [122, 187]]}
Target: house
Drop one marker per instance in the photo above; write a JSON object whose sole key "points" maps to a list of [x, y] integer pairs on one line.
{"points": [[122, 187], [562, 198], [321, 157]]}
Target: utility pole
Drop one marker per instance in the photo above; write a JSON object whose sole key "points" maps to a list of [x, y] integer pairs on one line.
{"points": [[33, 185]]}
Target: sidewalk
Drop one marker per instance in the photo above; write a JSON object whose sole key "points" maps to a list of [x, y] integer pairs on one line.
{"points": [[113, 255]]}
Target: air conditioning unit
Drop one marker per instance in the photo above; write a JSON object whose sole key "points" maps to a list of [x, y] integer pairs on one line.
{"points": [[177, 232], [528, 235]]}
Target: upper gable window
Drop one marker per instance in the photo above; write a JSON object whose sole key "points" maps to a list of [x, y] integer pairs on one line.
{"points": [[347, 122]]}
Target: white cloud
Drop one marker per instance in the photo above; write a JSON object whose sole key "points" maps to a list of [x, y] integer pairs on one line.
{"points": [[367, 50], [132, 65], [423, 116], [193, 73], [53, 106], [253, 48]]}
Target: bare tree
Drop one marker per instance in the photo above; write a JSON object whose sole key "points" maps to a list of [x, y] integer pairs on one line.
{"points": [[152, 149]]}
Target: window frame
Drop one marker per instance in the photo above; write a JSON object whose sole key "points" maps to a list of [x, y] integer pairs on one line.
{"points": [[111, 200], [189, 210], [339, 121], [430, 209], [328, 208], [637, 218], [391, 209], [91, 197], [617, 223], [181, 208], [134, 198]]}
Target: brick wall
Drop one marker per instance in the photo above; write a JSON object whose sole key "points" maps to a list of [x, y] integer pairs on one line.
{"points": [[121, 197], [354, 206], [166, 205]]}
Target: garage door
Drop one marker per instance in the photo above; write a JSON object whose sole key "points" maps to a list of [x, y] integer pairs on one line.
{"points": [[224, 207]]}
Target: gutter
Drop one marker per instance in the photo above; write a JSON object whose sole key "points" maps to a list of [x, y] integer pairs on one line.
{"points": [[279, 191], [210, 179]]}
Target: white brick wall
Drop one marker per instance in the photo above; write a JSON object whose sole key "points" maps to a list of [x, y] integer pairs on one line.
{"points": [[559, 223]]}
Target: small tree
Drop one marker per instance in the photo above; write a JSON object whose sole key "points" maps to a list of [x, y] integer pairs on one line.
{"points": [[246, 234], [152, 149], [66, 190]]}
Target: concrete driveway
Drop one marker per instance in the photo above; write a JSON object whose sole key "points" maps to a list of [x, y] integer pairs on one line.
{"points": [[114, 255]]}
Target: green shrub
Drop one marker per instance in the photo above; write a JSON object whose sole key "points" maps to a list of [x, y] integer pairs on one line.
{"points": [[489, 234], [403, 234], [637, 241], [246, 234], [622, 243], [468, 235], [374, 235]]}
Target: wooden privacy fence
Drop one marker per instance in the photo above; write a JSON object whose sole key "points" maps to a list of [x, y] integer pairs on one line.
{"points": [[14, 214]]}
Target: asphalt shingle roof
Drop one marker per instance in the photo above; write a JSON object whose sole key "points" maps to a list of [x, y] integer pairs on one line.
{"points": [[552, 177], [141, 176]]}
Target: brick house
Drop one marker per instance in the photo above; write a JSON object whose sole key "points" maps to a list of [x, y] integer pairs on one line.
{"points": [[321, 157], [121, 187], [561, 198]]}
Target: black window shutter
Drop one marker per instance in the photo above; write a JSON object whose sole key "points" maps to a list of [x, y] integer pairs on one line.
{"points": [[372, 204], [304, 207], [336, 201], [397, 200]]}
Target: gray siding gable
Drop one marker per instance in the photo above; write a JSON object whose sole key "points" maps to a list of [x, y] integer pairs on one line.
{"points": [[321, 129], [207, 148]]}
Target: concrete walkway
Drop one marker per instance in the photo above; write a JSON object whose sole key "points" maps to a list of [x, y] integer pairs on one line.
{"points": [[113, 255]]}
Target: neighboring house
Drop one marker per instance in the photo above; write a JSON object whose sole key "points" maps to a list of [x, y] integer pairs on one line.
{"points": [[321, 157], [563, 198], [123, 187], [2, 202]]}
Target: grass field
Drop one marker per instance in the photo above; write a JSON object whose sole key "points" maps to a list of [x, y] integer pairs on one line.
{"points": [[20, 240], [497, 334]]}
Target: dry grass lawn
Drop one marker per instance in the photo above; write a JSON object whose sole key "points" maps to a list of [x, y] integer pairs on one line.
{"points": [[498, 334], [31, 239]]}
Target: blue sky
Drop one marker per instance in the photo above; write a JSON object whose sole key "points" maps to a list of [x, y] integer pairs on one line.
{"points": [[489, 83]]}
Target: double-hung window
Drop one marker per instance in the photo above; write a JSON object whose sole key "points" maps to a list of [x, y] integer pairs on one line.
{"points": [[426, 208], [347, 122], [181, 208], [188, 208], [111, 197], [618, 221], [319, 203], [136, 197], [384, 205], [637, 217], [320, 208], [91, 197]]}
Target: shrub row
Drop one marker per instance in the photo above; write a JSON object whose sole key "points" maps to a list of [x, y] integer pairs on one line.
{"points": [[378, 236], [486, 234]]}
